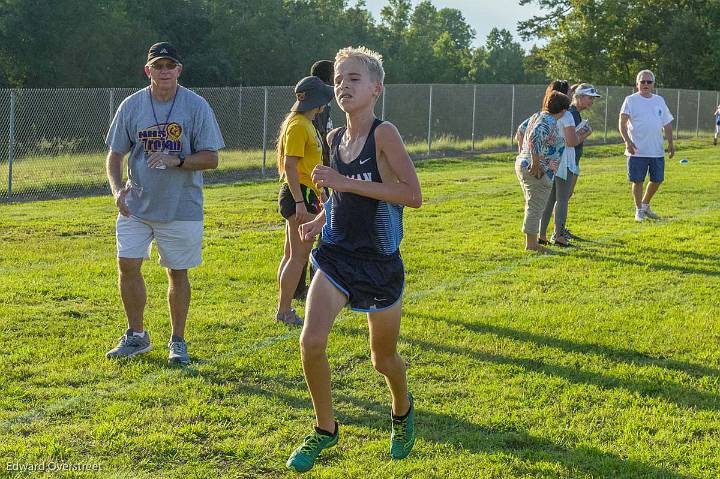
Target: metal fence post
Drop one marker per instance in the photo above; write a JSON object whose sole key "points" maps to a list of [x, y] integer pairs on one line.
{"points": [[697, 123], [472, 135], [11, 142], [607, 100], [429, 137], [240, 100], [512, 116], [112, 104], [677, 119], [382, 113], [265, 121]]}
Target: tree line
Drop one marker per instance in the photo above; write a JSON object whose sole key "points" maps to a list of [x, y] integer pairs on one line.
{"points": [[609, 41], [103, 43]]}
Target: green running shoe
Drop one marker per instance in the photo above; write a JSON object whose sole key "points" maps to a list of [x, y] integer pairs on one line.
{"points": [[303, 458], [403, 433]]}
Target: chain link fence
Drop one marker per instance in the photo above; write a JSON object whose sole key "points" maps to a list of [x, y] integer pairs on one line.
{"points": [[52, 141]]}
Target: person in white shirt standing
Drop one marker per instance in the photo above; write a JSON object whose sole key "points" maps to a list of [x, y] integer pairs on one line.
{"points": [[643, 117]]}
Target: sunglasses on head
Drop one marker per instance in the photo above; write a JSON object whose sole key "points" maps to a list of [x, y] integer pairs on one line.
{"points": [[647, 82], [164, 66]]}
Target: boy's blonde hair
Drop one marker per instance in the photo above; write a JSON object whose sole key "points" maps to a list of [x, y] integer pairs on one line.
{"points": [[371, 59]]}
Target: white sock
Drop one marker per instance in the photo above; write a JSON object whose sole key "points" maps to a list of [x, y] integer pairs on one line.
{"points": [[140, 334], [645, 206]]}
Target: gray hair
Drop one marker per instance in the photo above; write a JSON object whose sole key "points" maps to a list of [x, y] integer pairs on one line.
{"points": [[573, 91], [643, 72]]}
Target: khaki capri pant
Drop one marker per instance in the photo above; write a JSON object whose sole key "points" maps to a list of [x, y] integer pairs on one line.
{"points": [[536, 191]]}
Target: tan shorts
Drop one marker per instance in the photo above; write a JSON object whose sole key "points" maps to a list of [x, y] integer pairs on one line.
{"points": [[179, 243]]}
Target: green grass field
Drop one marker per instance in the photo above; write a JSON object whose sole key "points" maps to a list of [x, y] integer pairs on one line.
{"points": [[597, 362]]}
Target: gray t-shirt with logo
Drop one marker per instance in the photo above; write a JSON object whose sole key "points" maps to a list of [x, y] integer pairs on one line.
{"points": [[188, 126]]}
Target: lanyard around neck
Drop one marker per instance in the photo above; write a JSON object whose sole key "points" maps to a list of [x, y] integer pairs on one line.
{"points": [[152, 105]]}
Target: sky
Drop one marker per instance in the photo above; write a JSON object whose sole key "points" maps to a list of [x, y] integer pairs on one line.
{"points": [[481, 15]]}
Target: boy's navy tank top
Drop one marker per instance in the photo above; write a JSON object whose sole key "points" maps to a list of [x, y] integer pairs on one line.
{"points": [[355, 223]]}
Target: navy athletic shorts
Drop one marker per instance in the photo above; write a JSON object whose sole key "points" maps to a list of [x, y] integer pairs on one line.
{"points": [[639, 166], [370, 282]]}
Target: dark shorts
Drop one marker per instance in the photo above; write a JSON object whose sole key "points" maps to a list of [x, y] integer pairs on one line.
{"points": [[370, 282], [286, 202], [639, 166]]}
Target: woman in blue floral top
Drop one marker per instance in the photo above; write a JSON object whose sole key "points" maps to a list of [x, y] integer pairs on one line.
{"points": [[537, 162]]}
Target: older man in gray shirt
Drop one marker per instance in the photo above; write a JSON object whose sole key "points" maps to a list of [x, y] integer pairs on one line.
{"points": [[171, 135]]}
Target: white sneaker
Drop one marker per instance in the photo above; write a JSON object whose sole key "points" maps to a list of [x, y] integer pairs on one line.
{"points": [[639, 215], [651, 214]]}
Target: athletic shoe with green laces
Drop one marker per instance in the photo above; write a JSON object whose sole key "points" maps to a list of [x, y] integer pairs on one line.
{"points": [[303, 458], [403, 433]]}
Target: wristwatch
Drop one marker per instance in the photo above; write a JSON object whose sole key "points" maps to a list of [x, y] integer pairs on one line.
{"points": [[181, 157]]}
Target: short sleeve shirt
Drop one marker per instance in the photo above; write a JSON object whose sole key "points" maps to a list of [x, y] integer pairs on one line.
{"points": [[578, 148], [648, 116], [188, 126], [542, 137], [567, 160], [303, 141]]}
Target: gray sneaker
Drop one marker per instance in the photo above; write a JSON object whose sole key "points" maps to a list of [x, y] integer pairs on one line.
{"points": [[290, 318], [178, 352], [651, 214], [130, 346], [568, 235]]}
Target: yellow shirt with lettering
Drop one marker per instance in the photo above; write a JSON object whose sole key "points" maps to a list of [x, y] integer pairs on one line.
{"points": [[303, 140]]}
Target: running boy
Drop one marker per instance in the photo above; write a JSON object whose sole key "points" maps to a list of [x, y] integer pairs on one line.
{"points": [[358, 261]]}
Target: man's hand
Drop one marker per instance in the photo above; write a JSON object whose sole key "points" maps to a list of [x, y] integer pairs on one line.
{"points": [[326, 177], [160, 160], [309, 231], [120, 201], [671, 150], [631, 148]]}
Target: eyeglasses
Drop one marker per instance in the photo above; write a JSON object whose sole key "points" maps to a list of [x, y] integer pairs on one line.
{"points": [[164, 66], [646, 82]]}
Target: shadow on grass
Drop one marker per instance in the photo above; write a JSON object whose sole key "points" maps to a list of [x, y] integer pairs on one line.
{"points": [[653, 388], [651, 264], [460, 433], [683, 255]]}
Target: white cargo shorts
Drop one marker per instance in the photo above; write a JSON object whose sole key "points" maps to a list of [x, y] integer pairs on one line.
{"points": [[179, 243]]}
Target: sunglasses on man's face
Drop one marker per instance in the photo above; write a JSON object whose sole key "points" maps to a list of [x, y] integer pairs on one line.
{"points": [[164, 66], [647, 82]]}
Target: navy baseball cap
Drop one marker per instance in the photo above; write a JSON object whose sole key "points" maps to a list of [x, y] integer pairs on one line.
{"points": [[311, 92], [162, 50]]}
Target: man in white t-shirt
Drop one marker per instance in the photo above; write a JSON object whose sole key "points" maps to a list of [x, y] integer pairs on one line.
{"points": [[643, 117]]}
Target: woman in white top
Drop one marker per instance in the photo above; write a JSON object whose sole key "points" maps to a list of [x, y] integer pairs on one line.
{"points": [[560, 193]]}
